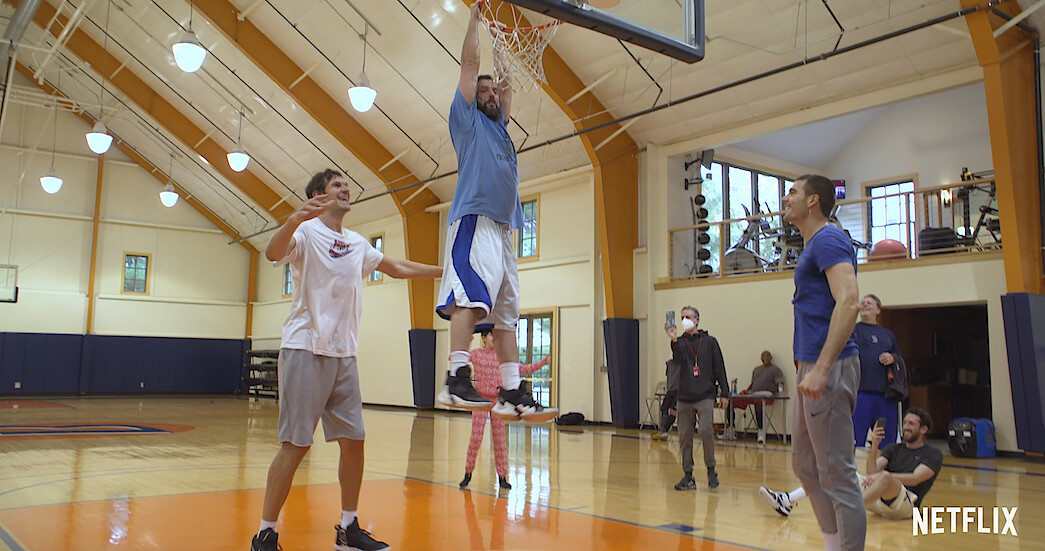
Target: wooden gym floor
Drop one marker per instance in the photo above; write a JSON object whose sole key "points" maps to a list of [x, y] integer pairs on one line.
{"points": [[189, 473]]}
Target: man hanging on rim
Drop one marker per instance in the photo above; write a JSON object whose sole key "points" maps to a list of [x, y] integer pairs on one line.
{"points": [[481, 275]]}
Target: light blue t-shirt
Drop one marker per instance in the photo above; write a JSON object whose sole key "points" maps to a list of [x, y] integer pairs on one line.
{"points": [[487, 167], [813, 300]]}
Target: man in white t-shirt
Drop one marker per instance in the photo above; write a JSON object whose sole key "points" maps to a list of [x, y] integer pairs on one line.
{"points": [[318, 378]]}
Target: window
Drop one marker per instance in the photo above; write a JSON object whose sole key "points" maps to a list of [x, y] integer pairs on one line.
{"points": [[728, 189], [526, 237], [534, 335], [136, 273], [288, 281], [889, 214], [378, 242]]}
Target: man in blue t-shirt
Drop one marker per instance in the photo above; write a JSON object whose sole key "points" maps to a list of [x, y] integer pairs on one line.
{"points": [[481, 277], [826, 302], [878, 353]]}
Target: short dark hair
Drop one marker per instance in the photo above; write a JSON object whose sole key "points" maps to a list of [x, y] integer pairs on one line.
{"points": [[319, 182], [877, 300], [823, 187], [484, 77], [923, 416], [695, 311]]}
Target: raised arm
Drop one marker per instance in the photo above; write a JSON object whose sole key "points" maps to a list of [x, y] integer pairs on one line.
{"points": [[528, 369], [470, 57], [504, 87], [408, 269], [281, 243]]}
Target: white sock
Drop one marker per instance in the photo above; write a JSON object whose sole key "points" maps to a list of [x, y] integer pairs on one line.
{"points": [[458, 359], [510, 375], [347, 518], [266, 524], [796, 494], [832, 542]]}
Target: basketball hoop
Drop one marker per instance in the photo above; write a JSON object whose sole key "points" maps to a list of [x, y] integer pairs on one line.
{"points": [[519, 47]]}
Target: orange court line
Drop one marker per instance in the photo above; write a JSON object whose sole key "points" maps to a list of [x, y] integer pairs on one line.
{"points": [[408, 514]]}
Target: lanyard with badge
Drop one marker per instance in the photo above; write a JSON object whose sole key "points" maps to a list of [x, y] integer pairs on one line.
{"points": [[696, 362]]}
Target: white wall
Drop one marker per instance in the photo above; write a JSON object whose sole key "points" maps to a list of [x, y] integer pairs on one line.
{"points": [[198, 282], [931, 136]]}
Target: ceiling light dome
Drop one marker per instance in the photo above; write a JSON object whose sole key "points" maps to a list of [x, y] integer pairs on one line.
{"points": [[189, 53], [51, 182], [168, 196], [362, 95], [98, 139], [238, 159]]}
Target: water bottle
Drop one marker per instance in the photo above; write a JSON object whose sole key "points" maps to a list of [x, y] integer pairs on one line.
{"points": [[733, 390]]}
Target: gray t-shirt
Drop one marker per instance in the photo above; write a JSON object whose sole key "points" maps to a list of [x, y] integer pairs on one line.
{"points": [[766, 378]]}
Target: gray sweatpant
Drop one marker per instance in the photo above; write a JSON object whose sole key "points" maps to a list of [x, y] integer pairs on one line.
{"points": [[822, 453], [688, 413]]}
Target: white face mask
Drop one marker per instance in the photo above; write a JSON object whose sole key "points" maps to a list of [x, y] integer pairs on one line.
{"points": [[687, 324]]}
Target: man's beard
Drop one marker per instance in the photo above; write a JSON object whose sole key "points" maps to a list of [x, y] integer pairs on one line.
{"points": [[911, 439], [491, 110]]}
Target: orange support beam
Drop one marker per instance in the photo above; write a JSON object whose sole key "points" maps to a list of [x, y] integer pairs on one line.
{"points": [[136, 90], [1008, 75], [95, 219], [421, 229]]}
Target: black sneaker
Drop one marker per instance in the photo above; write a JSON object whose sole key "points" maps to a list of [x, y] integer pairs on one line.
{"points": [[519, 404], [503, 483], [458, 392], [266, 540], [687, 483], [712, 478], [355, 538], [464, 482]]}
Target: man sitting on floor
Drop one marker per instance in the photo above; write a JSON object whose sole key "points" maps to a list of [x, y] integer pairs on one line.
{"points": [[896, 480]]}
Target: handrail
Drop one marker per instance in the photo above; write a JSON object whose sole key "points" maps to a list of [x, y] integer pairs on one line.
{"points": [[950, 213]]}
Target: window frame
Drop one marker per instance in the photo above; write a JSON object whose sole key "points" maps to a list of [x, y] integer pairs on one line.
{"points": [[912, 222], [380, 277], [288, 282], [519, 234], [784, 180], [148, 274], [553, 379]]}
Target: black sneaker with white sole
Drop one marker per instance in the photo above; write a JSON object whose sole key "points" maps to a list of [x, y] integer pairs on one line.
{"points": [[355, 538], [458, 392], [266, 540], [518, 404]]}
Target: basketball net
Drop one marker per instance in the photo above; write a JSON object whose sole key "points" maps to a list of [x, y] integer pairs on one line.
{"points": [[518, 47]]}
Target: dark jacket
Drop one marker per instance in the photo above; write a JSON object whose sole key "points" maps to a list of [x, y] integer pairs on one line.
{"points": [[712, 367], [671, 373]]}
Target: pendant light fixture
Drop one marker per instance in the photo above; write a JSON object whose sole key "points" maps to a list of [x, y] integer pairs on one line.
{"points": [[362, 95], [168, 196], [98, 139], [238, 159], [50, 181], [189, 53]]}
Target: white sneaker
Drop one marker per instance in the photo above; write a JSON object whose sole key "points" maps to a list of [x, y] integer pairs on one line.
{"points": [[762, 436], [780, 502]]}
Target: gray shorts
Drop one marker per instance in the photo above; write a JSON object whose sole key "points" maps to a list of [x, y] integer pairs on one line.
{"points": [[318, 387]]}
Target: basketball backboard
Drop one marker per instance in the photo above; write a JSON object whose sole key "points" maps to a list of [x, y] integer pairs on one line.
{"points": [[8, 283], [674, 28]]}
